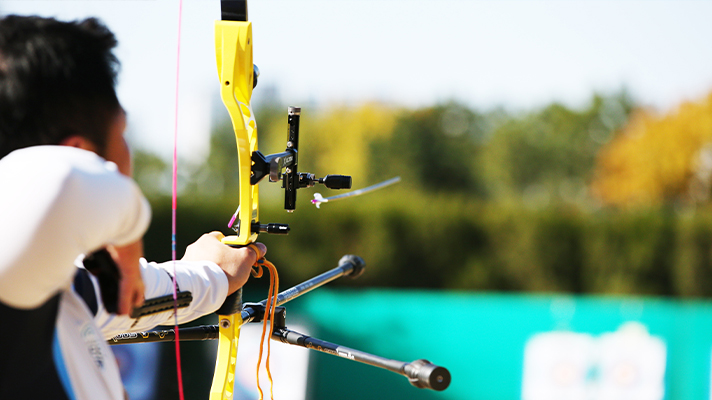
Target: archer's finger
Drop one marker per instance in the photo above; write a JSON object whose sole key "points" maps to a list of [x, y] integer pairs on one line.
{"points": [[217, 235], [260, 251]]}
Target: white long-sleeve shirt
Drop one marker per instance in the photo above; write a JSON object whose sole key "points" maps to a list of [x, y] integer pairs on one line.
{"points": [[56, 203], [205, 280]]}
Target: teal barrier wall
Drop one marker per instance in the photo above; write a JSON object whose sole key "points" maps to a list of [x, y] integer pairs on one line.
{"points": [[481, 339]]}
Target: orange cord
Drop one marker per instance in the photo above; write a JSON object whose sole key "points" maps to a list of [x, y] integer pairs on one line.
{"points": [[267, 318]]}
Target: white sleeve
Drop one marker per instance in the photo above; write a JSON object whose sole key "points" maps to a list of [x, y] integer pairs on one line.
{"points": [[59, 202], [205, 280]]}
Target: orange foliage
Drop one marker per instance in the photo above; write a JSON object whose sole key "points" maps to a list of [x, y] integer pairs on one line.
{"points": [[656, 159]]}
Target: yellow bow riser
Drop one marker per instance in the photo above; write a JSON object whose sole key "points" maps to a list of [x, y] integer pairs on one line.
{"points": [[225, 364], [233, 44]]}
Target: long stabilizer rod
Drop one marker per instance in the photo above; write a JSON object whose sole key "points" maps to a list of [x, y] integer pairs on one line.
{"points": [[420, 373], [349, 265]]}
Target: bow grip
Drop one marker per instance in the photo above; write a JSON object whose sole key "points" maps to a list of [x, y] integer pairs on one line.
{"points": [[232, 304]]}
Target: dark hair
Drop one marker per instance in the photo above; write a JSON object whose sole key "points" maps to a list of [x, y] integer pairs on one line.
{"points": [[56, 80]]}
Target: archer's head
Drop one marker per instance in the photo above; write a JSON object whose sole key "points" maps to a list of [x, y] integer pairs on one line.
{"points": [[57, 84]]}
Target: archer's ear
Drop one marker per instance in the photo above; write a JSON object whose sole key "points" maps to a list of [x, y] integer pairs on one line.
{"points": [[79, 142]]}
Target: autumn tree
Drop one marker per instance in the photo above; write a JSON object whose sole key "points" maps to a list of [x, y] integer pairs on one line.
{"points": [[659, 159]]}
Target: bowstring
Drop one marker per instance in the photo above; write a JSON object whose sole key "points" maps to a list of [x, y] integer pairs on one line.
{"points": [[174, 207]]}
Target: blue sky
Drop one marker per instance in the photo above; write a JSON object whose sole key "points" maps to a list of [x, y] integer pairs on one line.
{"points": [[517, 54]]}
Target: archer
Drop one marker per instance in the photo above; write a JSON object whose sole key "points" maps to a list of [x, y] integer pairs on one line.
{"points": [[65, 170]]}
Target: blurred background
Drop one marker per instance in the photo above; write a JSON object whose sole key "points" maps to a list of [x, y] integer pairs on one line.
{"points": [[551, 237]]}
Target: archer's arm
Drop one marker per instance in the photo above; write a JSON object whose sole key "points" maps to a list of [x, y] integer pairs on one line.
{"points": [[206, 282], [60, 202], [209, 270]]}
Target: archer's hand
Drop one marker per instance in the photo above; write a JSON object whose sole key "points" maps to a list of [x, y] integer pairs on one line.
{"points": [[131, 287], [235, 262]]}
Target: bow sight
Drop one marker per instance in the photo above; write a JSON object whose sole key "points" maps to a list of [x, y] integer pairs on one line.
{"points": [[272, 166], [292, 180]]}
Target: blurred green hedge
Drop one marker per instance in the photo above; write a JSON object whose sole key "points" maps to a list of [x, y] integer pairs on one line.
{"points": [[446, 242], [489, 200]]}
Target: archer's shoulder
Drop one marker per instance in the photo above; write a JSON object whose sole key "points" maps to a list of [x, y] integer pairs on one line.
{"points": [[52, 164], [46, 174], [50, 159]]}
